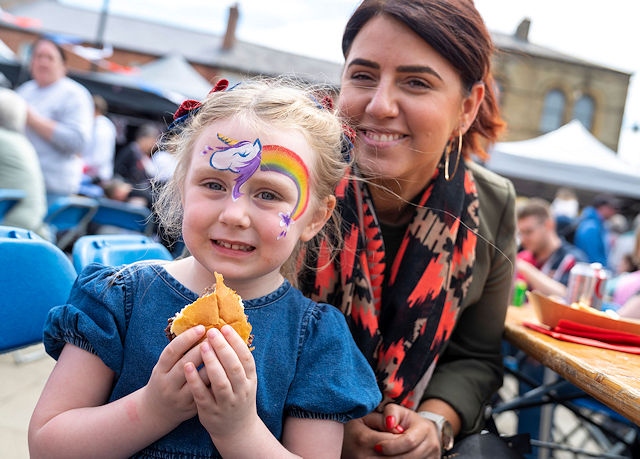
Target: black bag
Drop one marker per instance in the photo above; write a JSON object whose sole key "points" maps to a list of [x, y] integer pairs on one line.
{"points": [[488, 445]]}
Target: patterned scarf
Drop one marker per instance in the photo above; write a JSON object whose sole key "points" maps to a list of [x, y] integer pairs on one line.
{"points": [[402, 330]]}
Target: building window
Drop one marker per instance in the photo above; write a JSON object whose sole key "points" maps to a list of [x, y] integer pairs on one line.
{"points": [[583, 111], [552, 112]]}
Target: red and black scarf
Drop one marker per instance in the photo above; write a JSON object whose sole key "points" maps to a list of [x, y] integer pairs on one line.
{"points": [[401, 329]]}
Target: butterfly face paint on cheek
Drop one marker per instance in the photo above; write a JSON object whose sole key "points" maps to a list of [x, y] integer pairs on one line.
{"points": [[244, 158]]}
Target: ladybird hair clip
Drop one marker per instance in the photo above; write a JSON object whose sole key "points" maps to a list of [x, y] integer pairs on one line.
{"points": [[190, 106]]}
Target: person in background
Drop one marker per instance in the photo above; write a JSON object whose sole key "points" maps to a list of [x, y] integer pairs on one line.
{"points": [[627, 284], [591, 234], [544, 263], [99, 153], [59, 119], [627, 264], [546, 259], [258, 166], [565, 208], [623, 248], [425, 275], [134, 165], [631, 308], [565, 204], [19, 166], [119, 190]]}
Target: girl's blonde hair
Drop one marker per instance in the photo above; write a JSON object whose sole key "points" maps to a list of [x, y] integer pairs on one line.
{"points": [[264, 104]]}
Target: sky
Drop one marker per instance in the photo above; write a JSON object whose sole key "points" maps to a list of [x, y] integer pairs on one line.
{"points": [[605, 33]]}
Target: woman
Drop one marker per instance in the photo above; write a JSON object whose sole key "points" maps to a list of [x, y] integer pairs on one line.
{"points": [[59, 118], [425, 274]]}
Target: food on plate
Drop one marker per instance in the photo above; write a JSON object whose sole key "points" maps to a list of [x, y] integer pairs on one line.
{"points": [[587, 308], [222, 306], [550, 312]]}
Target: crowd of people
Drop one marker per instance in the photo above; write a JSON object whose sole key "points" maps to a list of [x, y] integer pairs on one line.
{"points": [[554, 236], [59, 141], [369, 245]]}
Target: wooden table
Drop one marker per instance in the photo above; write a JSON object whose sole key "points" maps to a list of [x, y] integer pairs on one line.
{"points": [[611, 377]]}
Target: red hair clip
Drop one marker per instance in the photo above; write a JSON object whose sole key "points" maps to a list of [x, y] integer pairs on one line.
{"points": [[185, 108], [191, 106]]}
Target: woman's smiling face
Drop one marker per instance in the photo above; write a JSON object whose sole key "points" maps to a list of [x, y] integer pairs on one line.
{"points": [[404, 99]]}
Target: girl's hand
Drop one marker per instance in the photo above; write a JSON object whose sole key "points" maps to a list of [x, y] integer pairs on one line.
{"points": [[397, 432], [166, 395], [228, 407]]}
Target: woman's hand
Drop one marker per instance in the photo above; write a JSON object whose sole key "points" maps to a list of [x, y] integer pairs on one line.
{"points": [[166, 395], [228, 406], [397, 432]]}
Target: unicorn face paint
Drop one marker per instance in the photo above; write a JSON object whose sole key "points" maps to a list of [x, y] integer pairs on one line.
{"points": [[245, 157], [241, 157]]}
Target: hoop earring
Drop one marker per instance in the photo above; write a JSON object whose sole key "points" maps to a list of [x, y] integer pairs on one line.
{"points": [[448, 177]]}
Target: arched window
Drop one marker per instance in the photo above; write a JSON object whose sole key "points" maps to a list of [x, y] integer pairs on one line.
{"points": [[583, 111], [553, 110]]}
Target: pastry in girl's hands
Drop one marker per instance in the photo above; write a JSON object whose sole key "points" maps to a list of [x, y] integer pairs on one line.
{"points": [[215, 309]]}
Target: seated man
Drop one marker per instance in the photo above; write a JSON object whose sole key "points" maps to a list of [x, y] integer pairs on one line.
{"points": [[544, 264], [546, 258]]}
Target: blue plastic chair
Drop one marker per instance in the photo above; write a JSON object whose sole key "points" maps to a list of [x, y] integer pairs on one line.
{"points": [[68, 218], [14, 232], [8, 199], [123, 215], [116, 249], [35, 275]]}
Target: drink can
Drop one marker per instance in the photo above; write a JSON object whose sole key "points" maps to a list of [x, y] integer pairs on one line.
{"points": [[519, 292], [587, 284]]}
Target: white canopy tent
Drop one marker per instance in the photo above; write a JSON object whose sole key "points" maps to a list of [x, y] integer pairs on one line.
{"points": [[569, 156], [174, 76]]}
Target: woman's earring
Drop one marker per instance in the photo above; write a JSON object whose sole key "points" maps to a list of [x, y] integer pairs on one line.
{"points": [[448, 177]]}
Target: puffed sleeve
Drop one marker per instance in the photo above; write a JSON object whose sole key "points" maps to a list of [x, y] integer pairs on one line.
{"points": [[346, 387], [93, 319]]}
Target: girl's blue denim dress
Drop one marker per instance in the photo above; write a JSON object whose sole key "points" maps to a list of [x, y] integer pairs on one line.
{"points": [[307, 362]]}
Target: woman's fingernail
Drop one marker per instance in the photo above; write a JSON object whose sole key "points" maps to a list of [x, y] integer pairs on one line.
{"points": [[399, 428], [378, 448], [390, 421]]}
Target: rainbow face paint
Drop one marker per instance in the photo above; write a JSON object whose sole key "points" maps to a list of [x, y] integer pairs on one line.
{"points": [[244, 158], [280, 159]]}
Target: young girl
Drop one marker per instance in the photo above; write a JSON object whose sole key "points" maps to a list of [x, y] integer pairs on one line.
{"points": [[257, 166]]}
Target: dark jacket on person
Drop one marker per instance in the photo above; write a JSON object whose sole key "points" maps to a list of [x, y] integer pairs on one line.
{"points": [[468, 374]]}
